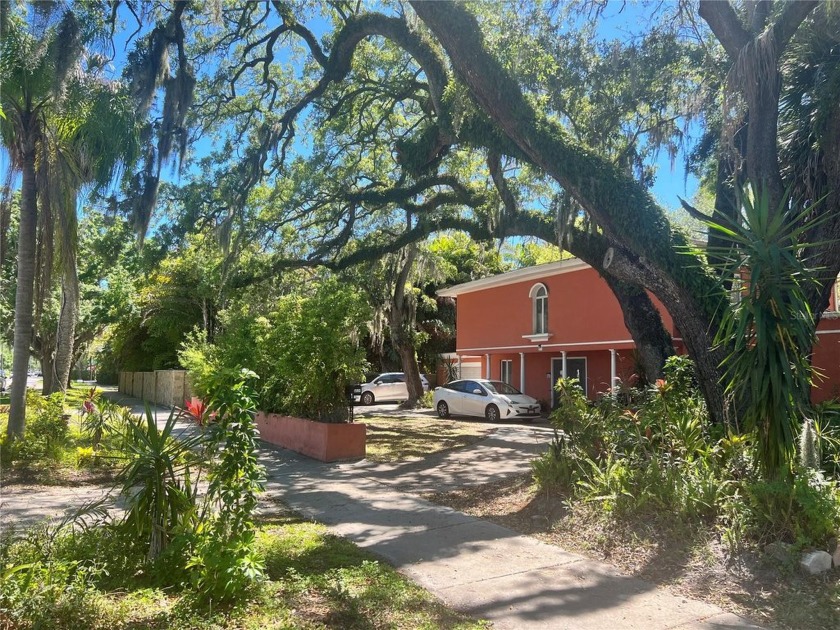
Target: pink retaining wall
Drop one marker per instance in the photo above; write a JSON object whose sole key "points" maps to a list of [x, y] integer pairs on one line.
{"points": [[319, 440]]}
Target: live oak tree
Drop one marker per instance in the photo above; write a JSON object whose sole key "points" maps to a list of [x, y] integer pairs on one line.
{"points": [[422, 98], [424, 146]]}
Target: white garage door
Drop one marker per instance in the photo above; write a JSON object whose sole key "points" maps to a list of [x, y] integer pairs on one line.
{"points": [[471, 369]]}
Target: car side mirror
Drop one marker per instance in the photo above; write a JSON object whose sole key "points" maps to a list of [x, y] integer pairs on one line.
{"points": [[477, 391]]}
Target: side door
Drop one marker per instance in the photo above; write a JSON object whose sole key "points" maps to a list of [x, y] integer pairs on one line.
{"points": [[386, 388], [379, 387], [454, 396], [399, 390], [474, 404]]}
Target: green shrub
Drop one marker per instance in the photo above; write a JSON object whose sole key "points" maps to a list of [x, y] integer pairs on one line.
{"points": [[804, 510], [827, 428], [85, 457], [52, 594], [99, 416], [656, 454], [47, 430], [305, 352], [225, 562], [426, 400]]}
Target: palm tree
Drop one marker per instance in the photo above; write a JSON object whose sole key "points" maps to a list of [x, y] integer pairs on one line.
{"points": [[34, 64], [90, 135]]}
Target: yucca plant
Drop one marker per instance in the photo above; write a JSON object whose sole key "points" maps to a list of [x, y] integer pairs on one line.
{"points": [[98, 416], [157, 481], [769, 332]]}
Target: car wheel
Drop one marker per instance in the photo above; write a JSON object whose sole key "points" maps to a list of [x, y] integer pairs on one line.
{"points": [[443, 409], [367, 398], [492, 413]]}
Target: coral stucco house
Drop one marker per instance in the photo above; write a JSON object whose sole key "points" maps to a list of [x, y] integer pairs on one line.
{"points": [[531, 326]]}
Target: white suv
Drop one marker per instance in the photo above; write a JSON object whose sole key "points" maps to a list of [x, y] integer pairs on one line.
{"points": [[388, 386]]}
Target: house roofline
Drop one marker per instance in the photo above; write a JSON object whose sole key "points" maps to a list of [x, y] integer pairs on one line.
{"points": [[517, 275]]}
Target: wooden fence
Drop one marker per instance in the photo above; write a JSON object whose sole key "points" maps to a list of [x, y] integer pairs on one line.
{"points": [[169, 388]]}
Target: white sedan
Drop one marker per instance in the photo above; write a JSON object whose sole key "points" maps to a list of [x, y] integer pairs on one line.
{"points": [[388, 387], [493, 400]]}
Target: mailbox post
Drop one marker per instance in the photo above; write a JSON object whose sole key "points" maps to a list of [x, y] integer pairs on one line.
{"points": [[352, 392]]}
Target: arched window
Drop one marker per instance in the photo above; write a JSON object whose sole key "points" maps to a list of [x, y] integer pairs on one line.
{"points": [[539, 297]]}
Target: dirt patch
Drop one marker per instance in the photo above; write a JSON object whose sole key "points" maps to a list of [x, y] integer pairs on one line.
{"points": [[691, 560], [395, 439]]}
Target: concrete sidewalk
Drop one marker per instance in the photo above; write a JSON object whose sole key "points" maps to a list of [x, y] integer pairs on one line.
{"points": [[475, 566], [478, 567]]}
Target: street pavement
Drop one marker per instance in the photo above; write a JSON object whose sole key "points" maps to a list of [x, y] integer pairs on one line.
{"points": [[486, 570]]}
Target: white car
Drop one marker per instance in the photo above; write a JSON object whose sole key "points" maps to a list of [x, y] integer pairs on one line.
{"points": [[494, 400], [388, 386]]}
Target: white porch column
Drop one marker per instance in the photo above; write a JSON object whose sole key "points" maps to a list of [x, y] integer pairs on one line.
{"points": [[613, 376], [522, 372], [563, 371], [487, 363], [460, 364]]}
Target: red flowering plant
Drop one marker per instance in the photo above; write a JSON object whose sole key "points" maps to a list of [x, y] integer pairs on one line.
{"points": [[89, 403], [197, 410], [96, 414]]}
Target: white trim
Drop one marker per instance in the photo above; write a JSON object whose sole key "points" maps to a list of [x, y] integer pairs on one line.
{"points": [[539, 338], [522, 372], [828, 332], [517, 275], [539, 309], [533, 292], [551, 345]]}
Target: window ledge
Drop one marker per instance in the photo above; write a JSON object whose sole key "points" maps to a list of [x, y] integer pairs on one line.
{"points": [[540, 338]]}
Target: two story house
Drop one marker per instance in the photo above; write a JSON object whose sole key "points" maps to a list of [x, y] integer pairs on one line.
{"points": [[531, 326]]}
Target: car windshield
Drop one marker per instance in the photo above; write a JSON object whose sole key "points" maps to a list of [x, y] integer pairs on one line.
{"points": [[498, 387]]}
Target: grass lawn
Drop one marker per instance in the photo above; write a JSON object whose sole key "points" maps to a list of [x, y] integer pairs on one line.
{"points": [[315, 580], [398, 439]]}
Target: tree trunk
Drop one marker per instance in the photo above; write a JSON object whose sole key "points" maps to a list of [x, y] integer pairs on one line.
{"points": [[66, 331], [402, 321], [25, 283], [653, 343], [48, 372]]}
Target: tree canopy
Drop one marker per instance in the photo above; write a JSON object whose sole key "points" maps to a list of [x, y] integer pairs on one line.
{"points": [[332, 135]]}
